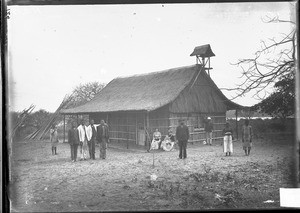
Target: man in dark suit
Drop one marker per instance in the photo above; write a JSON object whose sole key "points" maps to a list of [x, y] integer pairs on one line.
{"points": [[102, 138], [73, 139], [182, 135], [91, 133]]}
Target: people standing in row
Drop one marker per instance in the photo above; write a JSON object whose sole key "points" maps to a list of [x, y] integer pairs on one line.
{"points": [[82, 140], [54, 139], [228, 137], [208, 130], [247, 137], [73, 139], [182, 135], [102, 138]]}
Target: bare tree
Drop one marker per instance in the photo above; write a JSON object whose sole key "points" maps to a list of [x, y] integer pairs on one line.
{"points": [[273, 62]]}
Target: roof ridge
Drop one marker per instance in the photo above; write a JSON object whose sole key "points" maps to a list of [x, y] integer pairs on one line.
{"points": [[156, 72]]}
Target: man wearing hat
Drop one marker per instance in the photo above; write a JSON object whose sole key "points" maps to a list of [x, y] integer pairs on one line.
{"points": [[182, 135], [208, 130]]}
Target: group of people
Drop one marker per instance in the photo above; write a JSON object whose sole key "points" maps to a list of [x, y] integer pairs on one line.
{"points": [[167, 144], [84, 136], [182, 136], [247, 134]]}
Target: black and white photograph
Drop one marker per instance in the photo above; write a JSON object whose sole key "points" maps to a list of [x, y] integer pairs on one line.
{"points": [[151, 107]]}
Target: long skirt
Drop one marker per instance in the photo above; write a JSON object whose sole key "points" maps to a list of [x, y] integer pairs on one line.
{"points": [[227, 145], [155, 144], [247, 144], [167, 145]]}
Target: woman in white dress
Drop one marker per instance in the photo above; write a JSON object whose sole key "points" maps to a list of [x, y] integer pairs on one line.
{"points": [[228, 137], [168, 143], [156, 140]]}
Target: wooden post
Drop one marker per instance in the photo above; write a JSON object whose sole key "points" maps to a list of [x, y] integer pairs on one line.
{"points": [[77, 120], [295, 170], [208, 65], [236, 124], [64, 128], [153, 160]]}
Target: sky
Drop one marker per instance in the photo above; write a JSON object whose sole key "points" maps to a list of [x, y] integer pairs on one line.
{"points": [[52, 49]]}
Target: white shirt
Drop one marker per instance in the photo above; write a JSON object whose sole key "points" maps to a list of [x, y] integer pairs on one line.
{"points": [[81, 132], [89, 132]]}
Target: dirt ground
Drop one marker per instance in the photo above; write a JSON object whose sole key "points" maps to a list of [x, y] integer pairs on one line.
{"points": [[205, 180]]}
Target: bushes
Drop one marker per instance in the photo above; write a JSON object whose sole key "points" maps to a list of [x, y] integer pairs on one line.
{"points": [[262, 128]]}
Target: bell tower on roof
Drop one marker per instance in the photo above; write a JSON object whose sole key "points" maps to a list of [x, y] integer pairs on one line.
{"points": [[203, 54]]}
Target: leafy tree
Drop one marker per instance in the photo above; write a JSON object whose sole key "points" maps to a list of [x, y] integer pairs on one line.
{"points": [[37, 118], [84, 93], [281, 103]]}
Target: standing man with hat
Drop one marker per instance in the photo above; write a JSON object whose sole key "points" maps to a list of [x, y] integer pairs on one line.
{"points": [[182, 135]]}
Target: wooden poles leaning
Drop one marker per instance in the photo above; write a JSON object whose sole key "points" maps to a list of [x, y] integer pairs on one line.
{"points": [[21, 119], [41, 133]]}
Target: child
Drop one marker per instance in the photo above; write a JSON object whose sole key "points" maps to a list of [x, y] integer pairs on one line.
{"points": [[209, 130], [228, 137], [247, 137], [53, 139]]}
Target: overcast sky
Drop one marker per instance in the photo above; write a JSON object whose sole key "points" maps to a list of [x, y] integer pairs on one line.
{"points": [[52, 49]]}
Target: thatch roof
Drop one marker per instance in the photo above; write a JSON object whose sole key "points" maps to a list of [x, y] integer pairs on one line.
{"points": [[146, 92]]}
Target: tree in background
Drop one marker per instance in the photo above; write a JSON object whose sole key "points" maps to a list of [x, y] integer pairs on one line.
{"points": [[272, 66], [30, 122], [37, 118], [36, 125], [81, 95], [84, 93], [281, 103]]}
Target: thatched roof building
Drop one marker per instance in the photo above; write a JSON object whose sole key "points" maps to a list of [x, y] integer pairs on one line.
{"points": [[140, 103], [151, 91]]}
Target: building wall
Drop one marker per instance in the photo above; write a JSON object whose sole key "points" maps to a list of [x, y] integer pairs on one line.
{"points": [[196, 124], [159, 119], [199, 97], [128, 127], [123, 126], [196, 102]]}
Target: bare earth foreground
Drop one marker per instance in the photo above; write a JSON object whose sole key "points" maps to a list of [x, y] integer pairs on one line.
{"points": [[205, 180]]}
